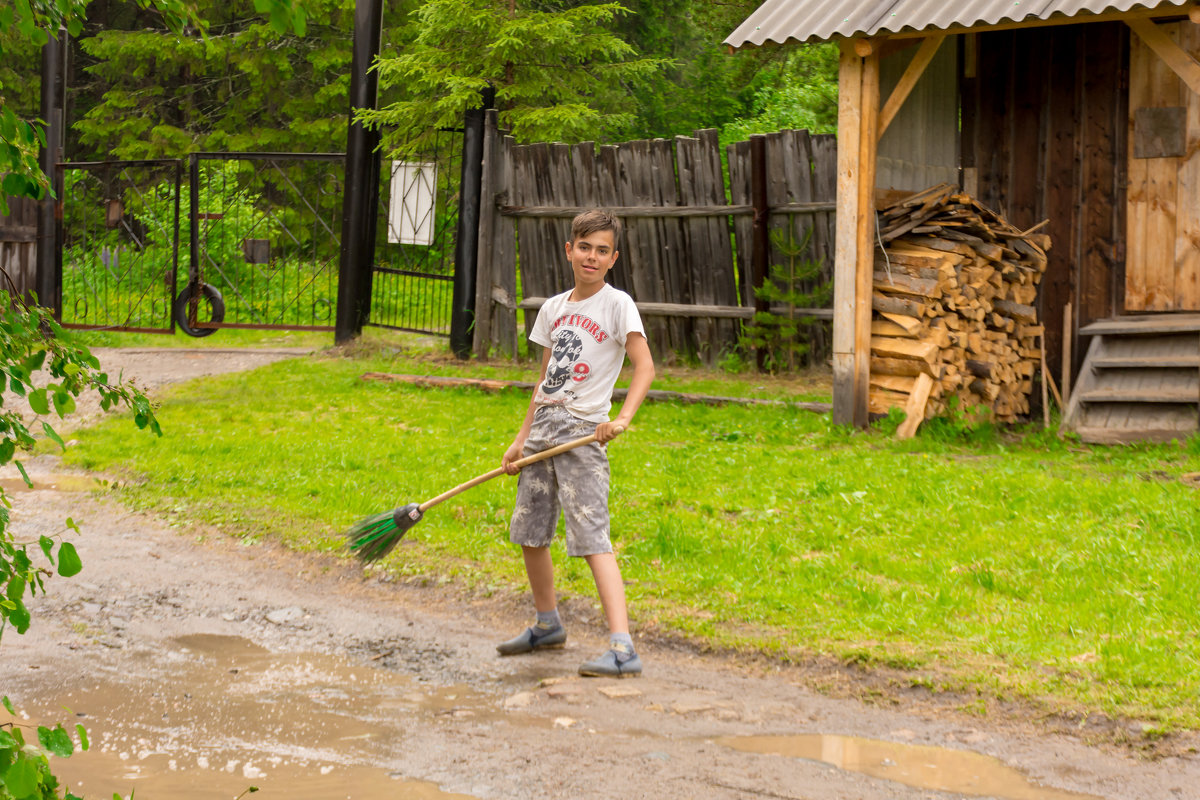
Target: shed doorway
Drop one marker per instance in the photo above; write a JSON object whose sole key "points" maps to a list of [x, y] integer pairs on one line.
{"points": [[1162, 267]]}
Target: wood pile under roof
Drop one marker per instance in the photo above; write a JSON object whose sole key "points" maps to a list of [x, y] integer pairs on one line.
{"points": [[954, 322]]}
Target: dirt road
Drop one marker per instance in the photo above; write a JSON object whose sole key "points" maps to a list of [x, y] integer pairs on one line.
{"points": [[202, 666]]}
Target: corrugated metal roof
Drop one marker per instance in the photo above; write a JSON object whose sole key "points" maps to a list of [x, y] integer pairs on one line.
{"points": [[821, 20]]}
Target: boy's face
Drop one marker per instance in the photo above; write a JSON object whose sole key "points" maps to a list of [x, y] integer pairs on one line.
{"points": [[591, 258]]}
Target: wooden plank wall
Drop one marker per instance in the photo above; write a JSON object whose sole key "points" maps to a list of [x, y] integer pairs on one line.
{"points": [[1044, 131], [18, 246], [801, 168], [920, 147], [697, 259], [1163, 249]]}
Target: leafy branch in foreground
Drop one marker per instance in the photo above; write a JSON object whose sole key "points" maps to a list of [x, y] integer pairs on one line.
{"points": [[32, 349], [25, 766], [37, 363]]}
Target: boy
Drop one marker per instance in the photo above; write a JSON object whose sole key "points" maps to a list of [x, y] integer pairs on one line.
{"points": [[585, 335]]}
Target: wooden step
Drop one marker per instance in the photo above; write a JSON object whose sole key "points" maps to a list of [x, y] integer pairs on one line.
{"points": [[1149, 324], [1141, 382], [1117, 362], [1123, 423], [1159, 394], [1106, 435]]}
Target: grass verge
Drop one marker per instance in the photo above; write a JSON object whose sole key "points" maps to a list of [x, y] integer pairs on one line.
{"points": [[1015, 564]]}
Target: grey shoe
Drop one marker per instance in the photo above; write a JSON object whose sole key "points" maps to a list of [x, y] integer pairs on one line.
{"points": [[614, 663], [531, 639]]}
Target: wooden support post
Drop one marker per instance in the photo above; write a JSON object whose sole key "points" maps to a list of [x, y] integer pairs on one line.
{"points": [[845, 400], [868, 142], [912, 74], [858, 116], [1179, 60]]}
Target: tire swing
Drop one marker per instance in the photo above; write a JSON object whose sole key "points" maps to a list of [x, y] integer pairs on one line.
{"points": [[204, 294]]}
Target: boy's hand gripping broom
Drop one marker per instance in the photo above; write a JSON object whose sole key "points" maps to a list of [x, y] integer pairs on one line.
{"points": [[373, 538]]}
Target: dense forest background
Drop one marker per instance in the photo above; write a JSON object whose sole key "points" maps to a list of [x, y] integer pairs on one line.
{"points": [[563, 70]]}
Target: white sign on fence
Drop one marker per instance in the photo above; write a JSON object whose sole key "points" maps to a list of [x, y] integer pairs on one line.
{"points": [[413, 200]]}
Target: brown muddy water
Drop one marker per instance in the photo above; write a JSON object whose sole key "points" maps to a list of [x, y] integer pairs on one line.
{"points": [[923, 767], [225, 714], [229, 715], [57, 483]]}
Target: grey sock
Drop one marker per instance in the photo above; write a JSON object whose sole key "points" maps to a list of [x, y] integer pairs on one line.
{"points": [[622, 643], [548, 620]]}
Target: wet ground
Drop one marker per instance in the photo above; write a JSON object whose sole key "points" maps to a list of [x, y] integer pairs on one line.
{"points": [[202, 666]]}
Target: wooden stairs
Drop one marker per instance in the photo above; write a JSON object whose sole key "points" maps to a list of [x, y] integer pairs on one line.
{"points": [[1140, 380]]}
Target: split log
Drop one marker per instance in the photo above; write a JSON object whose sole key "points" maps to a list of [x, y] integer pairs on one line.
{"points": [[906, 284], [898, 305], [916, 350]]}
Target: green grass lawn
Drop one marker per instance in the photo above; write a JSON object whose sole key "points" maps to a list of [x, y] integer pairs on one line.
{"points": [[1016, 565]]}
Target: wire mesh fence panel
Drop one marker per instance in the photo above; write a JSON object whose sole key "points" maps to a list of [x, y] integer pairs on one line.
{"points": [[412, 284], [119, 244], [267, 230]]}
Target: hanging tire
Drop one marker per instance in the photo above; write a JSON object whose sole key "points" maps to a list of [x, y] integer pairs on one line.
{"points": [[209, 296]]}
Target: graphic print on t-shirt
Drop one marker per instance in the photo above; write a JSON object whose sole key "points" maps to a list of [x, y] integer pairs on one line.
{"points": [[564, 361]]}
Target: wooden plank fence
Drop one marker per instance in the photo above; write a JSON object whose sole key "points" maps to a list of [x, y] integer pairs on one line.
{"points": [[688, 242], [18, 247]]}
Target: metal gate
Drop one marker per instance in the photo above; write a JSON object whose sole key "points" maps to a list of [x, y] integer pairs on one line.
{"points": [[119, 244], [264, 241], [412, 281]]}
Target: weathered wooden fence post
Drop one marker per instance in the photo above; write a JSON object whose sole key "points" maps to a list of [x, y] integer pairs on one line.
{"points": [[761, 247]]}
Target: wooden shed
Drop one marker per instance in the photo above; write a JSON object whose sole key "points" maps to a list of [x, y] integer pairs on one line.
{"points": [[1084, 113]]}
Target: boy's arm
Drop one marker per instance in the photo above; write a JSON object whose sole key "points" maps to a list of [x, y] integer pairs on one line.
{"points": [[643, 375], [517, 448]]}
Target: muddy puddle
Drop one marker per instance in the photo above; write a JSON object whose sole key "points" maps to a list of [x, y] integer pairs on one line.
{"points": [[923, 767], [52, 483], [223, 714]]}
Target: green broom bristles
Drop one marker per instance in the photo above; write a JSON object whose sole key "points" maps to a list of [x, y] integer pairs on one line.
{"points": [[373, 538]]}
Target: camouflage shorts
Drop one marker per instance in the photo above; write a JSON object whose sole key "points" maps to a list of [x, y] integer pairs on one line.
{"points": [[574, 482]]}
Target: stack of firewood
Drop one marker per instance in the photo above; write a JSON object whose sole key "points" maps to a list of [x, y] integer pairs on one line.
{"points": [[953, 313]]}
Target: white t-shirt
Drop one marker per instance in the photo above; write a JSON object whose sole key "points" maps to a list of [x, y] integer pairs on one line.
{"points": [[587, 341]]}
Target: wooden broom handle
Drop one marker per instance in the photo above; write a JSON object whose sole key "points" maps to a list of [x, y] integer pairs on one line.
{"points": [[498, 471]]}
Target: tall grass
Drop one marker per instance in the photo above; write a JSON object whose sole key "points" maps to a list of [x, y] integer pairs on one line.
{"points": [[1018, 565]]}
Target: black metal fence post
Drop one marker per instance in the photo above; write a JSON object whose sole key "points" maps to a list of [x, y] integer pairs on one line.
{"points": [[49, 275], [466, 247], [193, 221], [360, 200]]}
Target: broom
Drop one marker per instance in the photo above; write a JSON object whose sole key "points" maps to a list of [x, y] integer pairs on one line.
{"points": [[373, 538]]}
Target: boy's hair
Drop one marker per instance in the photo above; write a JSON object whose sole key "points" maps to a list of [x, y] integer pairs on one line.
{"points": [[594, 221]]}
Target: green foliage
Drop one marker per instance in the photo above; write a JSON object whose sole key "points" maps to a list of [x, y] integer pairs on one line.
{"points": [[798, 90], [702, 85], [961, 424], [25, 766], [26, 25], [558, 70], [250, 84], [782, 337], [31, 344], [37, 364]]}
